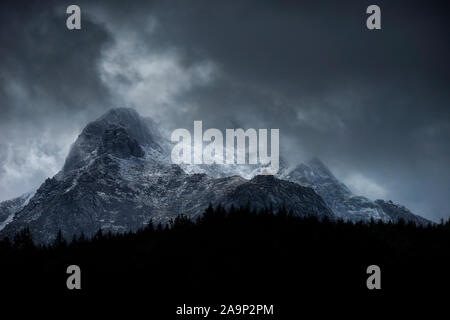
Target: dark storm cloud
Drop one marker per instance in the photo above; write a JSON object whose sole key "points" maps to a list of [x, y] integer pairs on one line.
{"points": [[374, 105], [49, 88], [39, 54]]}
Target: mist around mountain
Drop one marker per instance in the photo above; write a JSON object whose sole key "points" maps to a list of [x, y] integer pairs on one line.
{"points": [[118, 176]]}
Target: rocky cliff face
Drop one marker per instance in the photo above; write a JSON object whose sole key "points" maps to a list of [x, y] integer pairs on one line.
{"points": [[118, 176]]}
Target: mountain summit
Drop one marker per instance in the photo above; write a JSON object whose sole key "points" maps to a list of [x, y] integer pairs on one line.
{"points": [[120, 132], [118, 176]]}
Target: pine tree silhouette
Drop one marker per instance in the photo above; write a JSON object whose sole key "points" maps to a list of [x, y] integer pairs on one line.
{"points": [[59, 241], [23, 240]]}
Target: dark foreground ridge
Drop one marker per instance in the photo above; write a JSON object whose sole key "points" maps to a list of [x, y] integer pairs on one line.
{"points": [[238, 255]]}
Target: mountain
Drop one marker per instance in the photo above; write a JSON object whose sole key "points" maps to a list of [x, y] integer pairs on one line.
{"points": [[337, 196], [118, 176], [397, 212], [342, 201], [316, 175]]}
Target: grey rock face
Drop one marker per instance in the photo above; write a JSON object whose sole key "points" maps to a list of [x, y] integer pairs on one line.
{"points": [[117, 142]]}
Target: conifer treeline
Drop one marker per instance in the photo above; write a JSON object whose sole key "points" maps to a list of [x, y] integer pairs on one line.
{"points": [[239, 251]]}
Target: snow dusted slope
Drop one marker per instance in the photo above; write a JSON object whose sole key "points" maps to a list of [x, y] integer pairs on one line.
{"points": [[9, 208]]}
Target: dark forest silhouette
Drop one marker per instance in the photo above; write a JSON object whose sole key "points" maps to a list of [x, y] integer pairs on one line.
{"points": [[237, 254]]}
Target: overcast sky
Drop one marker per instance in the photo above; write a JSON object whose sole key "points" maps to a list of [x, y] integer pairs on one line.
{"points": [[373, 105]]}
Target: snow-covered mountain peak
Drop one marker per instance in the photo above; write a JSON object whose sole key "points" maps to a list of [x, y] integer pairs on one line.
{"points": [[121, 132]]}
